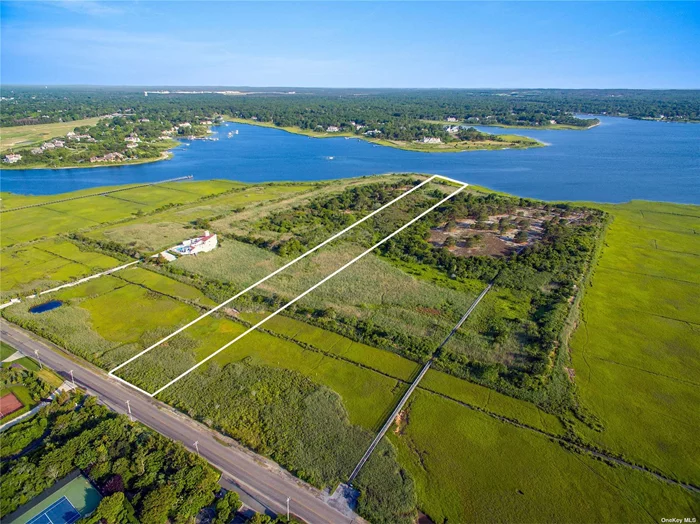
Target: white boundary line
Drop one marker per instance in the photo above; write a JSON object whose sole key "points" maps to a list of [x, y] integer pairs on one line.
{"points": [[222, 348], [307, 253]]}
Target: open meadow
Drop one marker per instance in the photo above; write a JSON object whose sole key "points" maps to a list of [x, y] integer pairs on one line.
{"points": [[16, 136], [459, 451], [636, 351], [46, 264]]}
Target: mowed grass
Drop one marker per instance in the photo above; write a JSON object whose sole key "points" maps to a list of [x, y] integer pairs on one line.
{"points": [[469, 467], [636, 351], [15, 136], [47, 264]]}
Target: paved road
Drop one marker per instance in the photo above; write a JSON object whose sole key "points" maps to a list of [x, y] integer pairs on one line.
{"points": [[261, 483]]}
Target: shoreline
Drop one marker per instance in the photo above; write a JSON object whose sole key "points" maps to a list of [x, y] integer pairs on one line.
{"points": [[165, 155], [405, 146]]}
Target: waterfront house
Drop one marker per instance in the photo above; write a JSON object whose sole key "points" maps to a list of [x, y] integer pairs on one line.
{"points": [[12, 158], [192, 246], [452, 129], [431, 140], [332, 129], [373, 132]]}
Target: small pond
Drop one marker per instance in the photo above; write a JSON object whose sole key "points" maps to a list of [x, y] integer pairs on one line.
{"points": [[46, 306]]}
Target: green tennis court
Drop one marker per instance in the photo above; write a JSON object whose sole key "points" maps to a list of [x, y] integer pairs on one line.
{"points": [[67, 504]]}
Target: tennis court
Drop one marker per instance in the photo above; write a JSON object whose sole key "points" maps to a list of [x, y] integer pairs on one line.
{"points": [[60, 512], [66, 502]]}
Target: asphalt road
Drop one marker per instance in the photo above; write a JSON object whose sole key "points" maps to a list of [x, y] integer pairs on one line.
{"points": [[260, 482]]}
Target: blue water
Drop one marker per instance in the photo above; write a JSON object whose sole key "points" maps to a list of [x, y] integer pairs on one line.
{"points": [[617, 161], [46, 306]]}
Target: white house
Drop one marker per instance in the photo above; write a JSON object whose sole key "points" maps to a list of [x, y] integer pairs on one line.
{"points": [[431, 140], [12, 158], [332, 129], [451, 119], [192, 246]]}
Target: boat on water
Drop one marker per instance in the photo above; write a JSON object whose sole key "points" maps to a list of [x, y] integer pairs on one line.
{"points": [[230, 134]]}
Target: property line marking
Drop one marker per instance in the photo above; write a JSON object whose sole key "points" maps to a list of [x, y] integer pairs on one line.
{"points": [[307, 253], [275, 313], [131, 385]]}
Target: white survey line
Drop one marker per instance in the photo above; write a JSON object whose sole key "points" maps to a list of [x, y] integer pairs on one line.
{"points": [[354, 224], [97, 275], [131, 385], [222, 348], [71, 284]]}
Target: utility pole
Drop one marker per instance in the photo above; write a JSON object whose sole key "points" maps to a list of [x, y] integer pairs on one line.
{"points": [[71, 377], [128, 407], [196, 446], [36, 352], [287, 509]]}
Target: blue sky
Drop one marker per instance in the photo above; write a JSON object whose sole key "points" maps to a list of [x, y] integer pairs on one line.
{"points": [[360, 44]]}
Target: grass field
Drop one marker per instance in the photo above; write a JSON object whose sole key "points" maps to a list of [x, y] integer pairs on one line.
{"points": [[27, 135], [469, 467], [47, 264], [637, 349], [635, 355], [6, 350]]}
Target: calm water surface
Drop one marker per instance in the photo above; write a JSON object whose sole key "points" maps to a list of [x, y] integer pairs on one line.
{"points": [[617, 161], [46, 306]]}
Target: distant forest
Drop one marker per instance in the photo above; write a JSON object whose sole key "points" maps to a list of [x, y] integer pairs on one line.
{"points": [[396, 112]]}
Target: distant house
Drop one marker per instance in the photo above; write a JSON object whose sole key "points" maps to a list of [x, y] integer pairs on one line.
{"points": [[554, 122], [133, 138], [332, 129], [58, 143], [185, 124], [12, 158], [70, 134], [431, 140], [452, 129], [206, 122], [37, 151], [451, 119], [143, 120], [109, 157], [131, 145], [192, 246], [48, 145], [373, 132]]}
